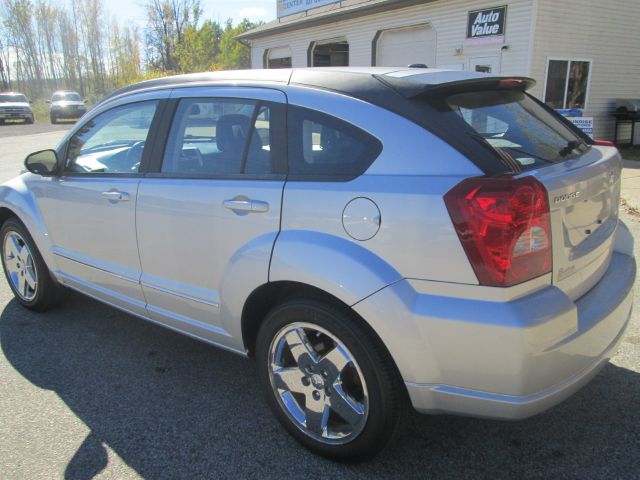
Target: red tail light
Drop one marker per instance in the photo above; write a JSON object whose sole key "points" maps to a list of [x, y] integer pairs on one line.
{"points": [[503, 224], [604, 143]]}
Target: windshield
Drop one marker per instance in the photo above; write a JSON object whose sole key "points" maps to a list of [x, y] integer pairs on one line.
{"points": [[513, 123], [11, 98], [67, 96]]}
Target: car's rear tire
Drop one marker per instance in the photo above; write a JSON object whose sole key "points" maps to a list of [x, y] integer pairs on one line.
{"points": [[25, 270], [329, 380]]}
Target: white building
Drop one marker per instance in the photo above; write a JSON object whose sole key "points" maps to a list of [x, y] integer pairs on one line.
{"points": [[583, 53]]}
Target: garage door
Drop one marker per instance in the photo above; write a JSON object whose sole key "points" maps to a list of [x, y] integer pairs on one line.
{"points": [[403, 46], [278, 58]]}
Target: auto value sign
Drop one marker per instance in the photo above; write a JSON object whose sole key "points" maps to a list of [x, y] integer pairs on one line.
{"points": [[486, 26], [289, 7]]}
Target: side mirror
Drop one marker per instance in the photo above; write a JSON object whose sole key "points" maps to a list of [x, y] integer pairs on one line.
{"points": [[48, 101], [85, 100], [42, 163]]}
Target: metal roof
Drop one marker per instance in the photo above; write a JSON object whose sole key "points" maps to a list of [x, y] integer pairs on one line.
{"points": [[337, 13]]}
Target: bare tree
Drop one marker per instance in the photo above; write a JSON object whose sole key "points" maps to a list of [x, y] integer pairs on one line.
{"points": [[46, 17], [91, 20], [19, 22], [5, 66]]}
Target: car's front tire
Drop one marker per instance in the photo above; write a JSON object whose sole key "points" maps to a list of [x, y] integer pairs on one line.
{"points": [[54, 119], [329, 380], [25, 270], [29, 120]]}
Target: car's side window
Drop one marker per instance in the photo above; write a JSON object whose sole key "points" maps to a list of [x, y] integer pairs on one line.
{"points": [[218, 137], [111, 142], [324, 146]]}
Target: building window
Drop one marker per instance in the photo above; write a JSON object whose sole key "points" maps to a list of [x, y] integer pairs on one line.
{"points": [[278, 58], [567, 83], [331, 53]]}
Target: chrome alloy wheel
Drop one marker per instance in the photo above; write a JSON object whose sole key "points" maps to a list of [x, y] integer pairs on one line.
{"points": [[20, 266], [318, 383]]}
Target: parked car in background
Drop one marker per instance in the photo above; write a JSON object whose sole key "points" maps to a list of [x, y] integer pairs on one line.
{"points": [[15, 106], [375, 238], [66, 104]]}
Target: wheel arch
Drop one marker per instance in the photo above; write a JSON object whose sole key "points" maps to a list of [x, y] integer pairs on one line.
{"points": [[6, 213], [17, 201], [269, 295]]}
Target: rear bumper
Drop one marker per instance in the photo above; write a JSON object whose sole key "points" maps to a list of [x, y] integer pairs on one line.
{"points": [[505, 360], [447, 399], [16, 116], [68, 113]]}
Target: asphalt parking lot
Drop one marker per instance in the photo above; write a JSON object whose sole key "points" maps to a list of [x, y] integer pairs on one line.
{"points": [[89, 392], [13, 129]]}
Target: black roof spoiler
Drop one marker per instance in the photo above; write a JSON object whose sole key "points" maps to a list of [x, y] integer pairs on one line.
{"points": [[411, 89]]}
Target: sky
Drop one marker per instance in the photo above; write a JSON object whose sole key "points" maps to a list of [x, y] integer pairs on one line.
{"points": [[132, 10]]}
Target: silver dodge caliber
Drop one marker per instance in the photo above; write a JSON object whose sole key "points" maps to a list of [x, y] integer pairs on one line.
{"points": [[375, 238]]}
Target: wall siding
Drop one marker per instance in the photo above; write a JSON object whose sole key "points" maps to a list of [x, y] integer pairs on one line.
{"points": [[606, 32], [448, 18]]}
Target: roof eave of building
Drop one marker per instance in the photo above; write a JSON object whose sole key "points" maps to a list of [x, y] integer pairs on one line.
{"points": [[342, 13]]}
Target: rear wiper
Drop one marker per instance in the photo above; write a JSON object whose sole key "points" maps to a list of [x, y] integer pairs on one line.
{"points": [[515, 149], [570, 147], [528, 154]]}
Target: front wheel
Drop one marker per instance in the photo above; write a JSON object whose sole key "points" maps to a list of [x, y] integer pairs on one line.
{"points": [[25, 270], [329, 380], [29, 120], [54, 119]]}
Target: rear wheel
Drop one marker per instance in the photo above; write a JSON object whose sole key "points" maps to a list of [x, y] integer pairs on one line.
{"points": [[328, 380], [25, 270]]}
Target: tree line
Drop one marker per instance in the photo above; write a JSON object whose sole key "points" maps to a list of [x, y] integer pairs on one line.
{"points": [[45, 46]]}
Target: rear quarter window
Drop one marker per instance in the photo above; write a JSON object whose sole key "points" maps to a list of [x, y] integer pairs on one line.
{"points": [[323, 147]]}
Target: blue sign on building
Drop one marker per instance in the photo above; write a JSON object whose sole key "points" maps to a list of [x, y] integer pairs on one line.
{"points": [[289, 7]]}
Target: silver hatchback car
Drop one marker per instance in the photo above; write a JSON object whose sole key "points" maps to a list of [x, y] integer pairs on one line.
{"points": [[375, 238]]}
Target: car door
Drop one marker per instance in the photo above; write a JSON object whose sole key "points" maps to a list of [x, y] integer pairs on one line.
{"points": [[208, 210], [89, 209]]}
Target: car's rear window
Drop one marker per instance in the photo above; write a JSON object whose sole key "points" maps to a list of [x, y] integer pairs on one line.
{"points": [[514, 124]]}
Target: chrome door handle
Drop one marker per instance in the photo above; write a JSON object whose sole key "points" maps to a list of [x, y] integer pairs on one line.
{"points": [[255, 206], [115, 196]]}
